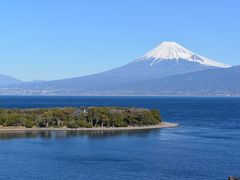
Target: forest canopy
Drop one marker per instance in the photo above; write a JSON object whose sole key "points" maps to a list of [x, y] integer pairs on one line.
{"points": [[79, 117]]}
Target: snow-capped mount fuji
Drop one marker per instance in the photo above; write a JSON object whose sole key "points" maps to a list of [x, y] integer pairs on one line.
{"points": [[167, 59], [171, 51]]}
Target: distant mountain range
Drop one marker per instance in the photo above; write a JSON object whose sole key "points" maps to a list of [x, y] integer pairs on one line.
{"points": [[169, 69], [8, 80]]}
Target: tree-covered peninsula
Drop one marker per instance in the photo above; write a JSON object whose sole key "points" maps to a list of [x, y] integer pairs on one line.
{"points": [[78, 117]]}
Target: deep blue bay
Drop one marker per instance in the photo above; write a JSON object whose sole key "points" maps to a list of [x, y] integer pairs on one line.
{"points": [[206, 145]]}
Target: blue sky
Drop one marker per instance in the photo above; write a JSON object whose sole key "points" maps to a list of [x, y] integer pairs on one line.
{"points": [[55, 39]]}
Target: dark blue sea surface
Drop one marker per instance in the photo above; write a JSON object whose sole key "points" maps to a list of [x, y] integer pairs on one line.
{"points": [[206, 145]]}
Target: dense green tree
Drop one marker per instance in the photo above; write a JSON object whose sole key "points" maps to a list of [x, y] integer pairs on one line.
{"points": [[79, 117]]}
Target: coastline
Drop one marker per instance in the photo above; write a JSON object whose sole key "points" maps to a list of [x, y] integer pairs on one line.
{"points": [[157, 126]]}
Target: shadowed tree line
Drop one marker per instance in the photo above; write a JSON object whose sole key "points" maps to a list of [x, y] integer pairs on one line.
{"points": [[79, 117]]}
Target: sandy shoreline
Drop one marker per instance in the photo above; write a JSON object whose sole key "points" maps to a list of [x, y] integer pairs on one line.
{"points": [[158, 126]]}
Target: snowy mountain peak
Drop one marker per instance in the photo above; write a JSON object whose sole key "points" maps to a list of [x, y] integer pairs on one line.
{"points": [[173, 51]]}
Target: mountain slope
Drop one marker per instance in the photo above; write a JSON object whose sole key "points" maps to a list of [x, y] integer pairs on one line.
{"points": [[206, 82]]}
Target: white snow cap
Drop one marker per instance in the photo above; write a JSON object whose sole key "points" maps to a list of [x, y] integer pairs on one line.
{"points": [[173, 51]]}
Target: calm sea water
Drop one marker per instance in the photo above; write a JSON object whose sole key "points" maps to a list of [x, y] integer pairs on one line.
{"points": [[205, 146]]}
